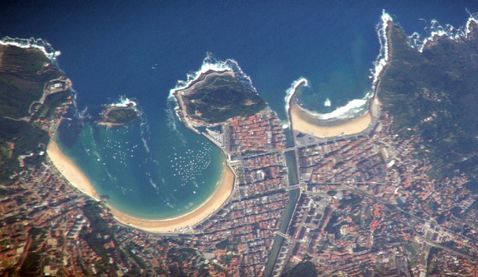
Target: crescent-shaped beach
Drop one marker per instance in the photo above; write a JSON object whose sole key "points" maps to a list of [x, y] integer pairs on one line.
{"points": [[79, 180], [304, 122]]}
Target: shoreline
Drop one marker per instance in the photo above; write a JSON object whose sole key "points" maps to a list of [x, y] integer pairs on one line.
{"points": [[186, 221], [224, 189], [69, 170], [305, 123], [178, 94], [183, 223]]}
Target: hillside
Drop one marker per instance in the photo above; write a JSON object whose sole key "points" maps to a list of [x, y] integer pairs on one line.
{"points": [[219, 97], [434, 95], [25, 107]]}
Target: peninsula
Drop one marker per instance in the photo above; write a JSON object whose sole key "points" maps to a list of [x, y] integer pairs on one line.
{"points": [[205, 106], [217, 96]]}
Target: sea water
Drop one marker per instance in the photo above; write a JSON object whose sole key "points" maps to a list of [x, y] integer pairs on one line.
{"points": [[155, 167]]}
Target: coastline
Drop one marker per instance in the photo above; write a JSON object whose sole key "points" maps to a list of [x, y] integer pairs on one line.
{"points": [[181, 109], [78, 179], [203, 76], [70, 170], [305, 123], [184, 222]]}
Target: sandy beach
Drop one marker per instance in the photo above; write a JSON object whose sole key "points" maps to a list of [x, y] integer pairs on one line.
{"points": [[69, 170], [305, 123], [78, 179], [184, 222], [213, 203]]}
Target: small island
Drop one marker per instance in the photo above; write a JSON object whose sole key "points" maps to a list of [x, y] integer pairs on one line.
{"points": [[118, 114]]}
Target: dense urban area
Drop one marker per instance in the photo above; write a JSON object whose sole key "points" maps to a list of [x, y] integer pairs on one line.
{"points": [[358, 205]]}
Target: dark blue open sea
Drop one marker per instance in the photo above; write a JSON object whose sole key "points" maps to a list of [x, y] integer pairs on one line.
{"points": [[156, 168]]}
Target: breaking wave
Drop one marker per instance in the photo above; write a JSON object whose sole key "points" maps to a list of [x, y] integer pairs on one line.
{"points": [[355, 107], [145, 132], [36, 43], [436, 30], [292, 90], [212, 64], [124, 102]]}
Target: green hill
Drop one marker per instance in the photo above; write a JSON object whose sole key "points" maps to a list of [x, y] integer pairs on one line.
{"points": [[220, 97], [23, 74], [434, 95]]}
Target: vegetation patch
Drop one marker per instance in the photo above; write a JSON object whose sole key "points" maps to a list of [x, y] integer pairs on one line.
{"points": [[434, 95], [220, 97]]}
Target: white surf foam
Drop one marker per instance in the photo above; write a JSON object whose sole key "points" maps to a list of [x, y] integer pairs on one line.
{"points": [[292, 90], [435, 31], [350, 110], [354, 107], [211, 64], [44, 47], [36, 43], [124, 102], [384, 54]]}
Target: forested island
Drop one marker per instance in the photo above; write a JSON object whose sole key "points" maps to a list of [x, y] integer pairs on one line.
{"points": [[119, 114]]}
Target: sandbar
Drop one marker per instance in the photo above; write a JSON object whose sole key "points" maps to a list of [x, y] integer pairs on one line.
{"points": [[70, 170], [184, 222], [305, 122]]}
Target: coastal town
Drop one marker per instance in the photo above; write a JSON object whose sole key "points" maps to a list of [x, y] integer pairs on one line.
{"points": [[319, 202], [368, 203]]}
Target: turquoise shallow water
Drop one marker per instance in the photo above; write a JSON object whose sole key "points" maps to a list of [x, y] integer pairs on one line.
{"points": [[141, 181], [141, 49]]}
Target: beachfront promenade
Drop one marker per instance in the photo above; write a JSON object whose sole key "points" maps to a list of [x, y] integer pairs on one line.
{"points": [[250, 197], [348, 179], [306, 133], [260, 192]]}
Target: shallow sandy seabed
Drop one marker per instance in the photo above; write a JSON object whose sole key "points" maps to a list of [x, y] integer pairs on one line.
{"points": [[302, 123], [78, 179], [212, 204], [70, 170]]}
